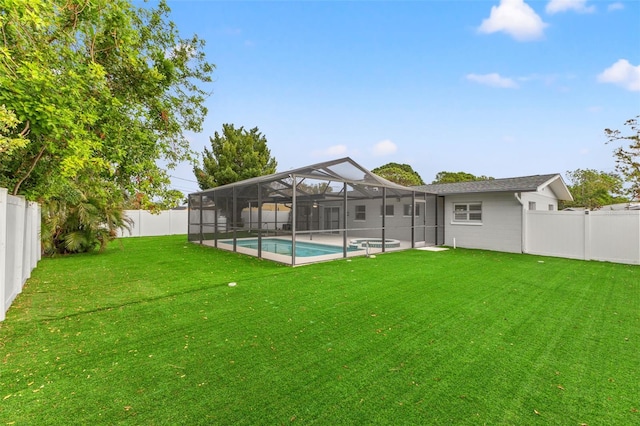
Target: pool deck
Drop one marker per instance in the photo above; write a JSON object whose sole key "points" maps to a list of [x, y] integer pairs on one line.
{"points": [[328, 239]]}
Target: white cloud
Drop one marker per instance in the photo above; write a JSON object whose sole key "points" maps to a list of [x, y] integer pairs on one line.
{"points": [[623, 74], [231, 31], [615, 6], [337, 150], [493, 80], [385, 147], [515, 18], [546, 79], [332, 151], [557, 6]]}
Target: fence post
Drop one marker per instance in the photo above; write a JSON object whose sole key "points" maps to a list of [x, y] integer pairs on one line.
{"points": [[36, 212], [3, 252], [138, 224], [32, 251], [638, 231], [525, 230], [27, 242], [18, 246], [587, 235]]}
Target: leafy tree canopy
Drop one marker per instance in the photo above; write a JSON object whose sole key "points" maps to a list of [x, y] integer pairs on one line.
{"points": [[628, 158], [593, 189], [10, 138], [402, 174], [235, 155], [93, 94], [453, 177], [314, 188], [104, 88]]}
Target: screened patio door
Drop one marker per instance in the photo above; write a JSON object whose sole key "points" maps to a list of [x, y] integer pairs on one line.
{"points": [[420, 224], [331, 218]]}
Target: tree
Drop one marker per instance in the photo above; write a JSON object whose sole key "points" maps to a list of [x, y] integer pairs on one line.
{"points": [[313, 188], [453, 177], [103, 87], [236, 155], [593, 189], [10, 139], [100, 90], [402, 174], [628, 159]]}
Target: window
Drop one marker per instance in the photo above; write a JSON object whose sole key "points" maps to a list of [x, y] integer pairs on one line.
{"points": [[551, 207], [361, 212], [389, 211], [532, 205], [408, 212], [467, 212]]}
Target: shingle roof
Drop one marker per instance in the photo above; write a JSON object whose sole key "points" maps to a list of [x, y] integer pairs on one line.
{"points": [[516, 184]]}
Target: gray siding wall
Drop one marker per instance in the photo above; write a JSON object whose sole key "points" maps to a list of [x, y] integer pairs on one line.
{"points": [[501, 227], [542, 198], [397, 226]]}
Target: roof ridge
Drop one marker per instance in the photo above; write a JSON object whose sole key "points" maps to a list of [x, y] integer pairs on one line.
{"points": [[493, 180]]}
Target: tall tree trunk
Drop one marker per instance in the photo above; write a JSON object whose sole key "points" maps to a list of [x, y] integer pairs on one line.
{"points": [[16, 188]]}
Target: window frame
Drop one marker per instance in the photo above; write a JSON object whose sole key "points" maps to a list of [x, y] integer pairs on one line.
{"points": [[412, 208], [363, 212], [468, 211], [393, 210]]}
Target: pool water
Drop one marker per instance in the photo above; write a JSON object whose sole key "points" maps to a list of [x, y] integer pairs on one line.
{"points": [[303, 249]]}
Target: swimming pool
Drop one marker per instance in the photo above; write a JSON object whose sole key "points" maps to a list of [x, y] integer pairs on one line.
{"points": [[278, 246]]}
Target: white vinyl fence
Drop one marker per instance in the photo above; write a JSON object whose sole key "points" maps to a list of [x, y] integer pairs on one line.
{"points": [[19, 245], [146, 224], [612, 236]]}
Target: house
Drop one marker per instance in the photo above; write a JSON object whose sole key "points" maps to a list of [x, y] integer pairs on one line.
{"points": [[490, 214], [621, 206]]}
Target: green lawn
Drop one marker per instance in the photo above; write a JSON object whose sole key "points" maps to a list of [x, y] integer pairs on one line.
{"points": [[149, 332]]}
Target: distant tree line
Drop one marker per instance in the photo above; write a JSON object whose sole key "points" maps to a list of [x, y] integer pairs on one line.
{"points": [[590, 188]]}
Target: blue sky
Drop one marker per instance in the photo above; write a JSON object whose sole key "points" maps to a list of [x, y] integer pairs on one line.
{"points": [[500, 88]]}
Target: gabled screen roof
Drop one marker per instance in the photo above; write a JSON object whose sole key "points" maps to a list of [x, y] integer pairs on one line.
{"points": [[341, 170]]}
